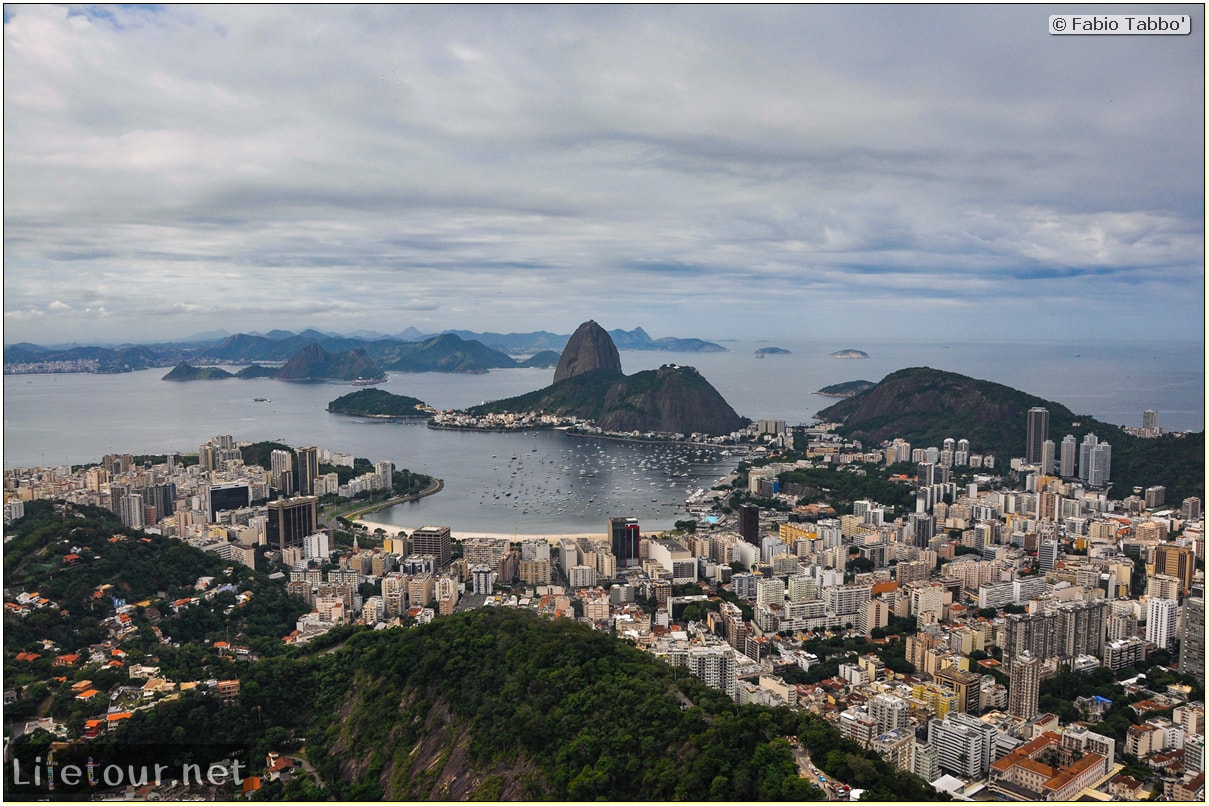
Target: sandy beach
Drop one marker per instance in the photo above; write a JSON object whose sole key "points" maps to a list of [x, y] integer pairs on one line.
{"points": [[392, 530]]}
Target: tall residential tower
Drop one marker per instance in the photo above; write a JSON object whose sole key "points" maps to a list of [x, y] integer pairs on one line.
{"points": [[1038, 433]]}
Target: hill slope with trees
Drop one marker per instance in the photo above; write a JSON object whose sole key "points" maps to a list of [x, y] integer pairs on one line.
{"points": [[501, 704], [924, 406]]}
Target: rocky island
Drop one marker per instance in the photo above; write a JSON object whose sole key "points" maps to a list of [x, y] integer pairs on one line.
{"points": [[850, 354], [185, 371], [763, 351]]}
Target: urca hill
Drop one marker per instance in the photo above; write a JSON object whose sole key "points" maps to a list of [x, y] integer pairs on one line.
{"points": [[589, 383]]}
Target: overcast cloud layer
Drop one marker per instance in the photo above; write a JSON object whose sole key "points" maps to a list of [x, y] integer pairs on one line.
{"points": [[712, 171]]}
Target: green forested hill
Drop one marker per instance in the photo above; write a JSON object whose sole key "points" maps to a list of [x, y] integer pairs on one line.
{"points": [[138, 567], [377, 403], [924, 406], [500, 704]]}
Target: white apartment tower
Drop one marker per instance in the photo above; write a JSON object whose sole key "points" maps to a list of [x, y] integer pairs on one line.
{"points": [[1162, 621]]}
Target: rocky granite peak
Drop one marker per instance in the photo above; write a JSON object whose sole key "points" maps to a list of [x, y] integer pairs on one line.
{"points": [[589, 348]]}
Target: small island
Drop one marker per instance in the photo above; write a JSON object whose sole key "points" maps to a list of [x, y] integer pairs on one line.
{"points": [[378, 403], [185, 371], [546, 359], [845, 389], [772, 351], [849, 354]]}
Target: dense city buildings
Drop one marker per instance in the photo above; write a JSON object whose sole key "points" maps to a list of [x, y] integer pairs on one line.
{"points": [[928, 628]]}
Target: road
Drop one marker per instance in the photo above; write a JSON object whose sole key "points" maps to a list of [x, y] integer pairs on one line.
{"points": [[328, 516], [833, 789]]}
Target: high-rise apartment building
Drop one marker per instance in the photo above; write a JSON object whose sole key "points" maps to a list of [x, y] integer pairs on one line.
{"points": [[1079, 628], [1095, 461], [1192, 638], [1067, 457], [385, 471], [1100, 472], [1048, 456], [130, 510], [1190, 510], [1029, 632], [889, 712], [1047, 554], [715, 665], [1162, 621], [290, 520], [281, 463], [308, 469], [1150, 419], [1024, 687], [1037, 433], [964, 744]]}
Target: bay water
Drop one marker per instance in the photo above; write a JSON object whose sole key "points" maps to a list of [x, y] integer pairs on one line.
{"points": [[546, 482]]}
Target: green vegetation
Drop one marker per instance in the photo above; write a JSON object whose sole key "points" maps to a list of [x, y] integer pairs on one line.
{"points": [[924, 406], [261, 453], [846, 389], [1177, 462], [840, 488], [377, 403], [581, 395], [546, 359], [186, 372], [530, 709], [669, 399], [138, 568], [447, 352]]}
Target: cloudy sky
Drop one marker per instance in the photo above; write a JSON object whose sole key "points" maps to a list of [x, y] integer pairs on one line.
{"points": [[717, 172]]}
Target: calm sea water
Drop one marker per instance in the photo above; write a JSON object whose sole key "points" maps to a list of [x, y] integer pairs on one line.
{"points": [[558, 483]]}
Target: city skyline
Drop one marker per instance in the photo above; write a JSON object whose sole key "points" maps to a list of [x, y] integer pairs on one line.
{"points": [[173, 170]]}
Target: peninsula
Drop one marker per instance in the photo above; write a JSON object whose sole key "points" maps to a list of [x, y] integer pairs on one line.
{"points": [[845, 389], [589, 384]]}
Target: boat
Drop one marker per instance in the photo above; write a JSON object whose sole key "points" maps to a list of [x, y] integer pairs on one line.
{"points": [[261, 400]]}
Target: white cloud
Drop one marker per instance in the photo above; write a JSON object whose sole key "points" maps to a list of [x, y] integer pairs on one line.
{"points": [[520, 167]]}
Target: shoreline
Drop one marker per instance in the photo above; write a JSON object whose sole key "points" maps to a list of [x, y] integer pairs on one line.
{"points": [[392, 530]]}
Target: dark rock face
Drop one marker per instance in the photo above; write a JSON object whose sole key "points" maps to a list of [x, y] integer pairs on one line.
{"points": [[590, 348]]}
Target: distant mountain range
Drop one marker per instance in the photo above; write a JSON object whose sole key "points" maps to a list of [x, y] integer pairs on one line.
{"points": [[407, 351]]}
